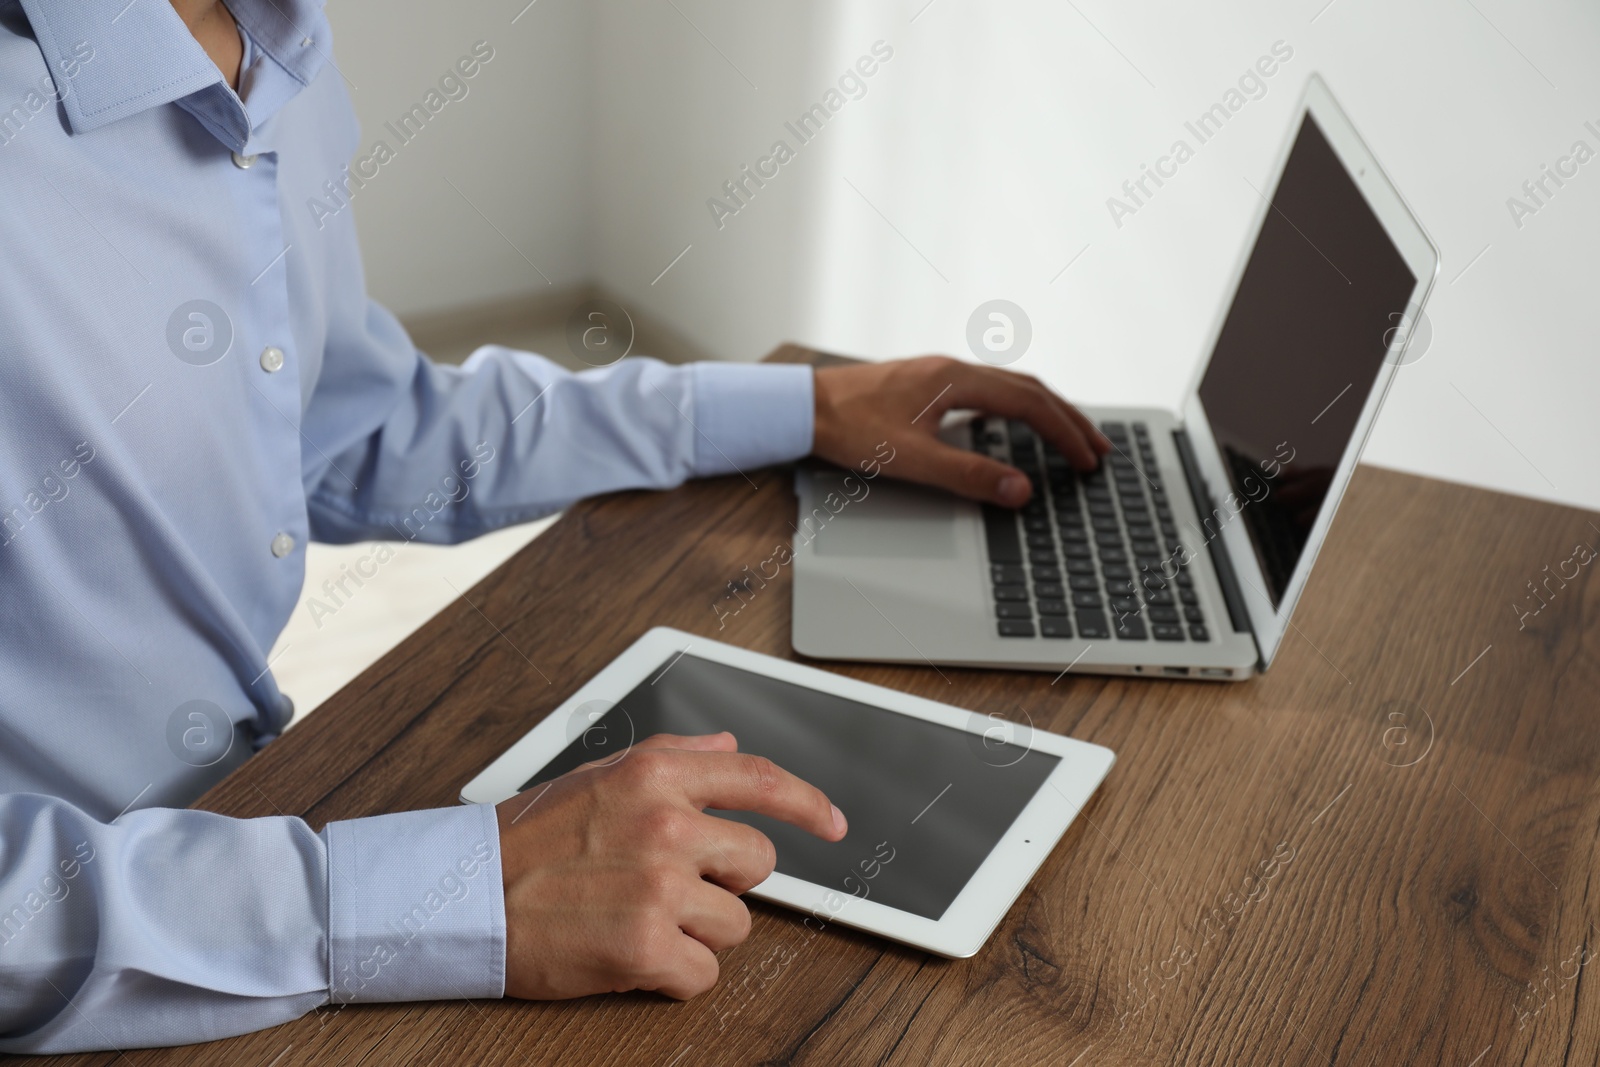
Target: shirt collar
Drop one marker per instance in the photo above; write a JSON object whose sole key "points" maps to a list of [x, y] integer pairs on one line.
{"points": [[144, 56]]}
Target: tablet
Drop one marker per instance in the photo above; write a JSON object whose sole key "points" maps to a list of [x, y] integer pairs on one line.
{"points": [[951, 811]]}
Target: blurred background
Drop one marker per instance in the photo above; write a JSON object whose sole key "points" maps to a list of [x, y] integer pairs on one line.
{"points": [[975, 162]]}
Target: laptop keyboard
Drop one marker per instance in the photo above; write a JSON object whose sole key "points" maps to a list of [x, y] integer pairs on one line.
{"points": [[1091, 555]]}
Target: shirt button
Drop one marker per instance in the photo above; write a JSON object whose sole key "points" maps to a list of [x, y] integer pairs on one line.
{"points": [[272, 359], [282, 545], [243, 162]]}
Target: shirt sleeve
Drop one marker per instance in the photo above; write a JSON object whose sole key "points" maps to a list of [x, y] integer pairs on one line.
{"points": [[168, 927], [445, 453]]}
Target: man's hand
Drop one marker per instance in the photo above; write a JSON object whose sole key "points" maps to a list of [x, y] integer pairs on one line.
{"points": [[615, 878], [902, 402]]}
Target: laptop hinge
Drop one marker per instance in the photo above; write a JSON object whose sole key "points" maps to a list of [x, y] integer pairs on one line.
{"points": [[1231, 593]]}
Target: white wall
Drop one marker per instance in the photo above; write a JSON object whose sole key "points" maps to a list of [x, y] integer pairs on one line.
{"points": [[995, 135], [516, 146], [990, 142]]}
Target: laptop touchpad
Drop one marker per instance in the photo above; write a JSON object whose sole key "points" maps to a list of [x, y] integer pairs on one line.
{"points": [[853, 517]]}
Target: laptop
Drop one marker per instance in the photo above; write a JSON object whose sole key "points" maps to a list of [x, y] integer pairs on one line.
{"points": [[1185, 553]]}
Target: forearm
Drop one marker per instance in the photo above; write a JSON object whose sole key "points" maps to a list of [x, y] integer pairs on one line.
{"points": [[174, 926], [510, 436]]}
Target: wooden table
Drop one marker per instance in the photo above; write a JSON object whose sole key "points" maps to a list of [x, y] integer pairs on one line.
{"points": [[1381, 852]]}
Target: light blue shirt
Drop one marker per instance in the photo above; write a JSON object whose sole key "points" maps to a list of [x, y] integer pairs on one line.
{"points": [[193, 384]]}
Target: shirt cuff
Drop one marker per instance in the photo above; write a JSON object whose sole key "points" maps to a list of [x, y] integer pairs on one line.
{"points": [[416, 906], [750, 415]]}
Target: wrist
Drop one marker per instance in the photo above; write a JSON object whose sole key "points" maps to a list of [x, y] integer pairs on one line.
{"points": [[825, 420]]}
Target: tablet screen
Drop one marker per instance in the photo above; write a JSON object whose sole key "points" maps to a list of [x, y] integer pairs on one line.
{"points": [[926, 803]]}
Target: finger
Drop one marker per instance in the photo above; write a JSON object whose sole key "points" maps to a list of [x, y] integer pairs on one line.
{"points": [[999, 392], [736, 857], [719, 742], [929, 461], [596, 742], [1098, 442], [1075, 437], [714, 917], [735, 781], [691, 969], [1097, 439]]}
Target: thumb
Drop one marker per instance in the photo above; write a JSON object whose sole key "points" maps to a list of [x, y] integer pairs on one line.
{"points": [[967, 473]]}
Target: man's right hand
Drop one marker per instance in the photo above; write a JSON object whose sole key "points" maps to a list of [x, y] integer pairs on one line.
{"points": [[616, 879]]}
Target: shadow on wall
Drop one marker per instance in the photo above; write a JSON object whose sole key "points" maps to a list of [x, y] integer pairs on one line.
{"points": [[578, 326]]}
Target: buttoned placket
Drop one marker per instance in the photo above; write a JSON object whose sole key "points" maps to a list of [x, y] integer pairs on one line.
{"points": [[265, 329]]}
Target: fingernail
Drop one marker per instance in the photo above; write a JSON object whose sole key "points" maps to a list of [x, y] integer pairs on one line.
{"points": [[1013, 488], [839, 825]]}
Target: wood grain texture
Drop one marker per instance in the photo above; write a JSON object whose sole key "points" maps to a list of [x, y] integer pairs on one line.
{"points": [[1381, 852]]}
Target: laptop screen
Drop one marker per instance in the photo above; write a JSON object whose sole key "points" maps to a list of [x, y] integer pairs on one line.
{"points": [[1300, 350]]}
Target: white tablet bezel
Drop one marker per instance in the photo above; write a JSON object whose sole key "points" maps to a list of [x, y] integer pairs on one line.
{"points": [[1269, 624], [982, 902]]}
